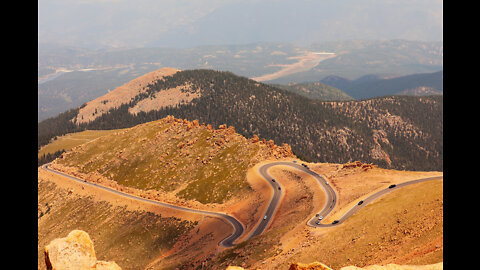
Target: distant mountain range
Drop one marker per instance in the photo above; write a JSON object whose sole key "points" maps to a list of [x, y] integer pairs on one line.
{"points": [[91, 73], [374, 86], [402, 132], [357, 58]]}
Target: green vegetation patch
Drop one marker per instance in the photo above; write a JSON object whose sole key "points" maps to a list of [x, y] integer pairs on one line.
{"points": [[196, 164], [222, 177]]}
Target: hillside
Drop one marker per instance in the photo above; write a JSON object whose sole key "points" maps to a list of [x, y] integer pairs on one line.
{"points": [[403, 227], [176, 158], [116, 224], [120, 95], [315, 90], [319, 131], [69, 141], [66, 90], [415, 84], [194, 165], [112, 226]]}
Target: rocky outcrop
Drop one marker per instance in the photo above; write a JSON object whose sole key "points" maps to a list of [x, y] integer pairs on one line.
{"points": [[310, 266], [75, 251], [380, 136], [358, 164]]}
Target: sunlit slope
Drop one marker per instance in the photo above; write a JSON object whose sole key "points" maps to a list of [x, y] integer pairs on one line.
{"points": [[403, 227], [192, 161], [68, 141], [133, 238]]}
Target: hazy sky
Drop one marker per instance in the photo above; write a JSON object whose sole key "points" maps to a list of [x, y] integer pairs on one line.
{"points": [[187, 23]]}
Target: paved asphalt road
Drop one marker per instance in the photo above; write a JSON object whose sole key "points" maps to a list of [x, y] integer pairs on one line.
{"points": [[371, 198], [277, 193], [331, 200], [330, 193], [227, 242]]}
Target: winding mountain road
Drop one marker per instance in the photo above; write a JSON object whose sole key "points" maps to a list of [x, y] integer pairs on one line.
{"points": [[227, 242], [331, 196], [331, 200]]}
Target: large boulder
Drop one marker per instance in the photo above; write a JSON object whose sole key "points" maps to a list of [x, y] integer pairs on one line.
{"points": [[75, 251], [311, 266]]}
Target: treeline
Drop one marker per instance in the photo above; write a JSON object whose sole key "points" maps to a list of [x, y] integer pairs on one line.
{"points": [[57, 126], [315, 131], [46, 158]]}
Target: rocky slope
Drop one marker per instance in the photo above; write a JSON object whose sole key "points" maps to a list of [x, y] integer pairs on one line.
{"points": [[403, 130], [404, 227], [436, 266], [173, 158]]}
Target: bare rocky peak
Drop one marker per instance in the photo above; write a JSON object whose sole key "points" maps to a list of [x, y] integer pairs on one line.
{"points": [[121, 95]]}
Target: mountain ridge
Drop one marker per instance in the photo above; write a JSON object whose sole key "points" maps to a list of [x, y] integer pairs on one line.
{"points": [[375, 85], [330, 132]]}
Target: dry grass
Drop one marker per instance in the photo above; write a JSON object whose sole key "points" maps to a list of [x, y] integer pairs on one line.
{"points": [[130, 238], [166, 98], [173, 158], [120, 95], [72, 140], [404, 227], [354, 184], [296, 206]]}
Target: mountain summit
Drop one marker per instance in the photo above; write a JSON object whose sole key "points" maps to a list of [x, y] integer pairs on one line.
{"points": [[121, 95]]}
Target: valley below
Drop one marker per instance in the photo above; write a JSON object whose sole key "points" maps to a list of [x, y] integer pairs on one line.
{"points": [[305, 62]]}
